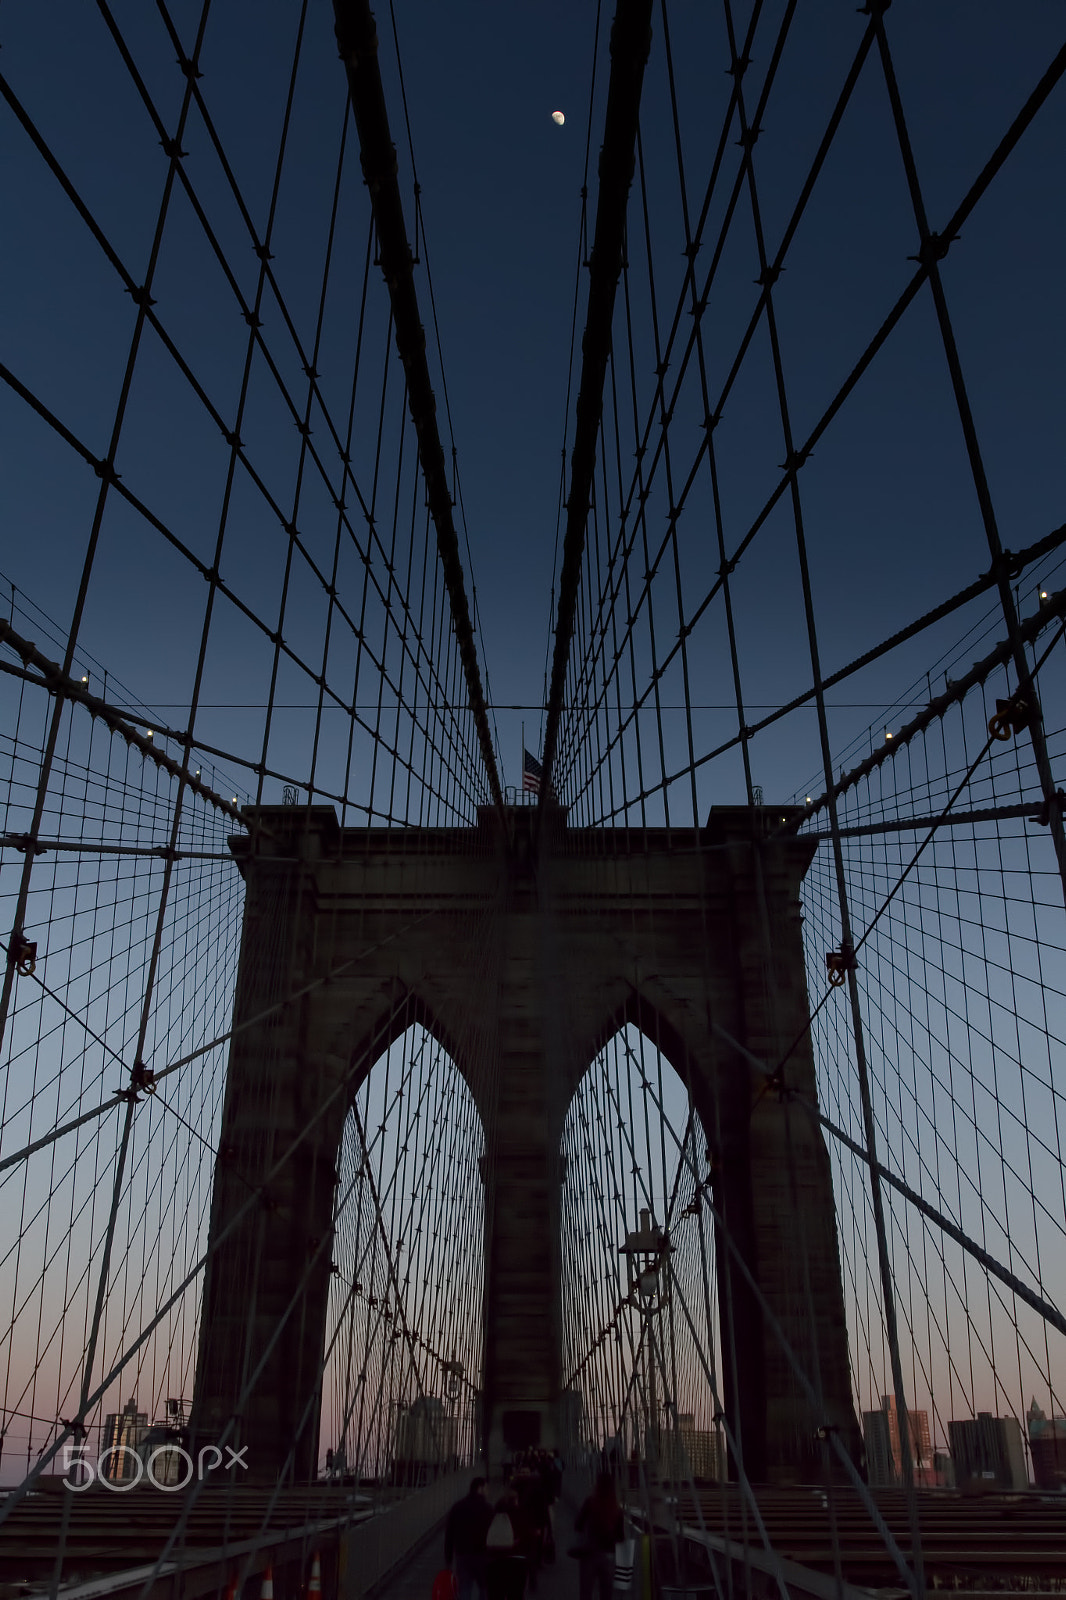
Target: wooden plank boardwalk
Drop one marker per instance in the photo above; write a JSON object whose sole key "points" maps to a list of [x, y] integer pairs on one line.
{"points": [[971, 1542]]}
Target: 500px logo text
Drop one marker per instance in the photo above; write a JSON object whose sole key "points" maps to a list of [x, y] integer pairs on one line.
{"points": [[76, 1462]]}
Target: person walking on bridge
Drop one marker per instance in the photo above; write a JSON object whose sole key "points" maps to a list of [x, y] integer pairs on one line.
{"points": [[600, 1525], [464, 1540]]}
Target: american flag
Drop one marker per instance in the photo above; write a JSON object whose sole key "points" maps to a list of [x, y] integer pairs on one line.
{"points": [[532, 772]]}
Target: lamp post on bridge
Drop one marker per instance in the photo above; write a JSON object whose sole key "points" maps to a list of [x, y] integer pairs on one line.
{"points": [[647, 1249]]}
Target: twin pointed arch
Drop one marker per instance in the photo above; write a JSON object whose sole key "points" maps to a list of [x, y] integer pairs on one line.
{"points": [[403, 1334], [715, 1078], [356, 1037], [641, 1360], [521, 970], [364, 1039], [682, 1040], [274, 1327]]}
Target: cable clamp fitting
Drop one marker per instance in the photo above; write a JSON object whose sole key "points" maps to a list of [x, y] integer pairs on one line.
{"points": [[838, 963], [26, 843], [773, 1084], [142, 1081], [22, 953], [933, 249], [1011, 717], [1043, 816]]}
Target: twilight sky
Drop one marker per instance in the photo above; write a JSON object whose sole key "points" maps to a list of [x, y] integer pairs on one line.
{"points": [[891, 514], [890, 510]]}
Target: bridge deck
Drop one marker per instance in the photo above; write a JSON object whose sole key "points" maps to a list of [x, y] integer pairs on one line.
{"points": [[984, 1541], [555, 1581], [119, 1536], [969, 1543]]}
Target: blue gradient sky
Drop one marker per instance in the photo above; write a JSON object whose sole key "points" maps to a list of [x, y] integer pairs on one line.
{"points": [[891, 515]]}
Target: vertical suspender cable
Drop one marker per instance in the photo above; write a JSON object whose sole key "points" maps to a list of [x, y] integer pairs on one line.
{"points": [[630, 43], [358, 43]]}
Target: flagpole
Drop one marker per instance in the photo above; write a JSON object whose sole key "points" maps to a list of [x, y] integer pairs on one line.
{"points": [[522, 768]]}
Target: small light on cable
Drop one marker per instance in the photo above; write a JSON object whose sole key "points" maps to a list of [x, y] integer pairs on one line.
{"points": [[1043, 594], [85, 677], [807, 799], [887, 735], [148, 733]]}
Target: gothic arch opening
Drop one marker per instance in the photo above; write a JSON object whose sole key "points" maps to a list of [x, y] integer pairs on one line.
{"points": [[641, 1358], [404, 1327]]}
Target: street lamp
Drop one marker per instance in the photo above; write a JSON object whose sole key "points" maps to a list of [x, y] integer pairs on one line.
{"points": [[647, 1251], [453, 1378]]}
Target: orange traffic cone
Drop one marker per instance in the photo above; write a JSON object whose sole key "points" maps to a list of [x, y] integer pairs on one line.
{"points": [[266, 1592], [314, 1585], [231, 1590]]}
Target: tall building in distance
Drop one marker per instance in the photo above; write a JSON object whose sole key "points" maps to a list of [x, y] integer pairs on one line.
{"points": [[988, 1449], [688, 1451], [423, 1440], [1047, 1446], [162, 1446], [124, 1434], [880, 1470], [884, 1457]]}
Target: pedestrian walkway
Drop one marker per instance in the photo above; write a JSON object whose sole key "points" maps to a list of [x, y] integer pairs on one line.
{"points": [[557, 1581]]}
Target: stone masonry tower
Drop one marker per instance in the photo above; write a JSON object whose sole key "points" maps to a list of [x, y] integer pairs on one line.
{"points": [[523, 948]]}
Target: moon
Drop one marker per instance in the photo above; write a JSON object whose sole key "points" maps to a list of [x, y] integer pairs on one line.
{"points": [[558, 118]]}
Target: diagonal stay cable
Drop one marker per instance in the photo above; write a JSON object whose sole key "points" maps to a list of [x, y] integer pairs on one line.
{"points": [[900, 880], [950, 232], [202, 1050], [1050, 609], [69, 1428], [1049, 1312], [834, 1439], [189, 1501], [779, 1333], [73, 1015], [251, 315], [1017, 562]]}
